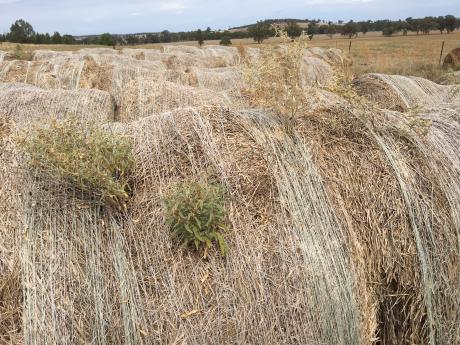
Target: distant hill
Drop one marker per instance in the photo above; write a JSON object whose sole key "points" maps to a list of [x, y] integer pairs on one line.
{"points": [[301, 22]]}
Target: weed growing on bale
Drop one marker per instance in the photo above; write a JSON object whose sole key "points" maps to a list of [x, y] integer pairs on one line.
{"points": [[20, 54], [81, 156], [195, 214], [274, 81]]}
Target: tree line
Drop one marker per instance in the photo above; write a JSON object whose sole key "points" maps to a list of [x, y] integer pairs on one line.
{"points": [[264, 29], [23, 32]]}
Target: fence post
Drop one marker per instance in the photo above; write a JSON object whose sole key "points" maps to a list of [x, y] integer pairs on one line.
{"points": [[442, 51], [349, 47]]}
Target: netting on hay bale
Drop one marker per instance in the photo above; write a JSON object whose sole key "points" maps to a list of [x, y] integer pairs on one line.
{"points": [[319, 66], [259, 294], [402, 93], [22, 103], [217, 79], [59, 73], [145, 97], [333, 56], [123, 74], [10, 234], [229, 55], [184, 61], [432, 218], [46, 55], [58, 232], [143, 54], [97, 51], [315, 71], [174, 49], [344, 227], [405, 227]]}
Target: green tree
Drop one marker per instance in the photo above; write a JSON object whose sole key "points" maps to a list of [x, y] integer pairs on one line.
{"points": [[68, 39], [106, 39], [331, 30], [56, 38], [21, 31], [389, 30], [260, 31], [441, 23], [312, 30], [350, 29], [293, 30], [427, 24], [225, 41], [165, 36], [451, 23], [364, 27], [199, 37], [131, 39]]}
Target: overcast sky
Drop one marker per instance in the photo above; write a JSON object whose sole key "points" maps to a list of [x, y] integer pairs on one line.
{"points": [[79, 17]]}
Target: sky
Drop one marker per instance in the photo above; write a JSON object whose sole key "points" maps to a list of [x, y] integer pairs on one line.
{"points": [[82, 17]]}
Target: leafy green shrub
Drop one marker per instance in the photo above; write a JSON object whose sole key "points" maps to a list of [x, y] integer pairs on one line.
{"points": [[84, 156], [195, 214], [225, 41]]}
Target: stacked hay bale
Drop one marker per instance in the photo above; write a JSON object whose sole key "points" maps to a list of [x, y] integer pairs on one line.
{"points": [[452, 60], [343, 222]]}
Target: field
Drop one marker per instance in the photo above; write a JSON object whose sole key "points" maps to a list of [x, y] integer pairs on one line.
{"points": [[252, 194], [417, 55]]}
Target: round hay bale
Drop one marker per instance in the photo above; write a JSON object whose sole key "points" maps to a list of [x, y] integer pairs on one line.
{"points": [[96, 76], [315, 71], [23, 103], [145, 97], [217, 79], [243, 154], [97, 51], [2, 55], [46, 55], [143, 54], [452, 60], [401, 93]]}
